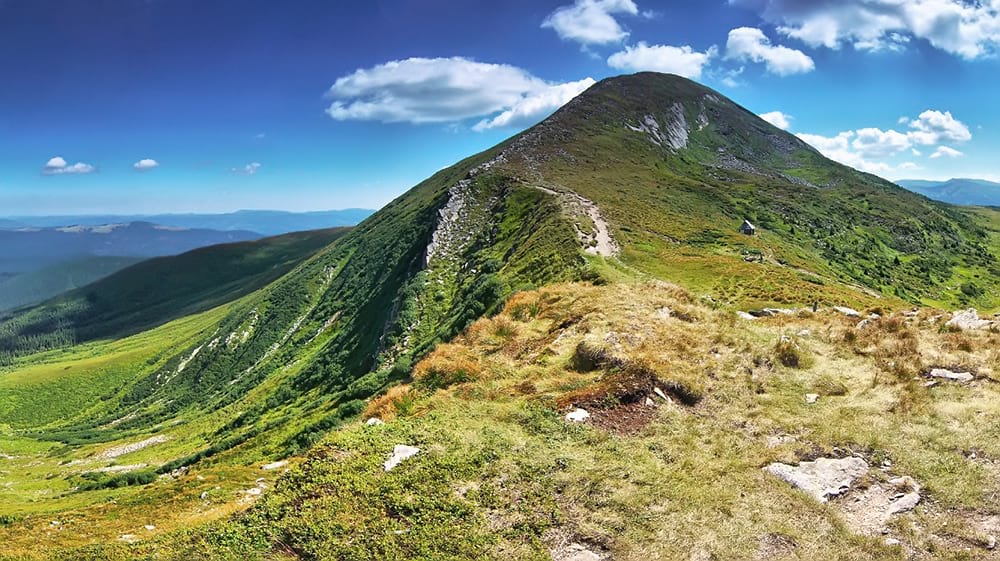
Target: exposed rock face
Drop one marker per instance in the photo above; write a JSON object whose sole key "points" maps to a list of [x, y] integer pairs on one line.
{"points": [[824, 478], [674, 133], [968, 319]]}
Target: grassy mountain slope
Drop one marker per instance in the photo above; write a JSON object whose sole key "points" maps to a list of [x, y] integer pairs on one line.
{"points": [[643, 176], [37, 286], [677, 210], [156, 291]]}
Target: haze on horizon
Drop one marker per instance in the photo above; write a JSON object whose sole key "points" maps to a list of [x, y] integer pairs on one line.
{"points": [[127, 107]]}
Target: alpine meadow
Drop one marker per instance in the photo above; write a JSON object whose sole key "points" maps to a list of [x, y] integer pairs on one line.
{"points": [[638, 320]]}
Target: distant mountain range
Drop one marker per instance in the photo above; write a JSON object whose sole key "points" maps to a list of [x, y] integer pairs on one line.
{"points": [[263, 222], [30, 249], [971, 192]]}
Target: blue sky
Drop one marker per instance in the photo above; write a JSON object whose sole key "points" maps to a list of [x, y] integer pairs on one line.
{"points": [[138, 106]]}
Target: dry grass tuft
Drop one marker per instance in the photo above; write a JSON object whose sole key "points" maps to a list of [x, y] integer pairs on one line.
{"points": [[447, 365], [398, 401]]}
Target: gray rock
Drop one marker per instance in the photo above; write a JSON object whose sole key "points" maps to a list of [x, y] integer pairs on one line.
{"points": [[949, 375], [578, 415], [968, 319], [823, 478], [851, 313]]}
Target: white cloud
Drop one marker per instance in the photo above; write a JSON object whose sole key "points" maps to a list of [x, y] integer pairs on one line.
{"points": [[446, 90], [58, 166], [778, 119], [946, 152], [591, 22], [934, 127], [876, 143], [871, 149], [532, 106], [750, 44], [969, 29], [146, 164], [683, 61], [248, 169]]}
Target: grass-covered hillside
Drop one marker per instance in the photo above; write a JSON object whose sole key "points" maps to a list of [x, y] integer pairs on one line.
{"points": [[686, 404], [155, 291], [676, 168], [138, 409], [30, 288]]}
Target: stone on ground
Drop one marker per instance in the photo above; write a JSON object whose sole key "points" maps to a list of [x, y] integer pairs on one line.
{"points": [[823, 478]]}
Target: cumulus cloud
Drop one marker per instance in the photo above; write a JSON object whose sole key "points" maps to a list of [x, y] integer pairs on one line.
{"points": [[933, 127], [447, 90], [946, 152], [683, 61], [527, 110], [591, 22], [750, 44], [146, 164], [868, 149], [969, 29], [778, 119], [59, 166], [248, 169]]}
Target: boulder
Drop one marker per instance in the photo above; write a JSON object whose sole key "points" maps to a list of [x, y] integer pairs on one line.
{"points": [[399, 453], [968, 319], [577, 415], [823, 478], [812, 398], [374, 422]]}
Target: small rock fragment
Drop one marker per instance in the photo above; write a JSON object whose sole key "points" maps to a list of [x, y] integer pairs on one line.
{"points": [[812, 398], [577, 415], [149, 527], [399, 453], [891, 541], [374, 421]]}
